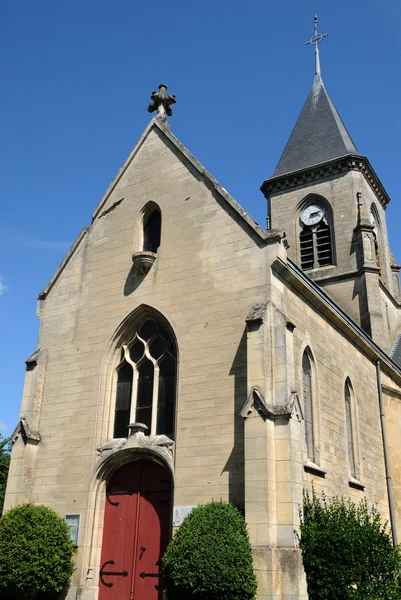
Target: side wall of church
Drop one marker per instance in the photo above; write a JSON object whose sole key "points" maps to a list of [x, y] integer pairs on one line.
{"points": [[392, 410], [336, 359], [276, 459]]}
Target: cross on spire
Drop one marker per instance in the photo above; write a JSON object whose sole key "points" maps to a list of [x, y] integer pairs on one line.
{"points": [[161, 102], [315, 40]]}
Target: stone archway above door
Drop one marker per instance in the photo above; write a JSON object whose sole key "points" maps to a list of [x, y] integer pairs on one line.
{"points": [[117, 452]]}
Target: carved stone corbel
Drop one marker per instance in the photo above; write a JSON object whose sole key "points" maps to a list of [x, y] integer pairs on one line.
{"points": [[257, 313], [257, 404], [28, 435]]}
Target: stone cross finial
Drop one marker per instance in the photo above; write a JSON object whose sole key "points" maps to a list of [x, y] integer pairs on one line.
{"points": [[161, 102]]}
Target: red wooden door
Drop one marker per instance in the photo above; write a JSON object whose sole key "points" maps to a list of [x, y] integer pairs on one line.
{"points": [[136, 532]]}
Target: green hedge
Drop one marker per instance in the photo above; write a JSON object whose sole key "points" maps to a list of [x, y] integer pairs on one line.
{"points": [[35, 553], [210, 556], [347, 552]]}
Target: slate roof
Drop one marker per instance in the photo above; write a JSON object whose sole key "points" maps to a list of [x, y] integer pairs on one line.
{"points": [[319, 134], [395, 353]]}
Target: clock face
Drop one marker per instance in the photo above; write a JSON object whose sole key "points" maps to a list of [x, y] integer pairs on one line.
{"points": [[312, 214]]}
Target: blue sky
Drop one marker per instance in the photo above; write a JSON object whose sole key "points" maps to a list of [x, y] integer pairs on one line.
{"points": [[76, 79]]}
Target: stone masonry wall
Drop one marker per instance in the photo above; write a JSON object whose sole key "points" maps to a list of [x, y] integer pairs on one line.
{"points": [[208, 274]]}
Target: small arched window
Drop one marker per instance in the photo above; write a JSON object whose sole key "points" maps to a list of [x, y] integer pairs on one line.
{"points": [[316, 243], [146, 381], [350, 427], [152, 226], [307, 392]]}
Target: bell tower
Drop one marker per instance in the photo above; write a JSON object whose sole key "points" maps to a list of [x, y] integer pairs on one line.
{"points": [[329, 200]]}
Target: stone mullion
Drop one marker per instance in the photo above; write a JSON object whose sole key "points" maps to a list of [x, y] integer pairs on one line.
{"points": [[155, 399], [134, 393], [314, 245]]}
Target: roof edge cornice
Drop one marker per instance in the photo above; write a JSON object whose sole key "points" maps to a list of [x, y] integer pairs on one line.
{"points": [[336, 166], [64, 263]]}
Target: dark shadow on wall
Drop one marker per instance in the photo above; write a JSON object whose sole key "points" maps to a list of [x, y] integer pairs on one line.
{"points": [[235, 463], [133, 281], [64, 593], [47, 596]]}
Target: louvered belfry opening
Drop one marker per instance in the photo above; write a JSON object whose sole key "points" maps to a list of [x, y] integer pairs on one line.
{"points": [[323, 245], [307, 252], [316, 246]]}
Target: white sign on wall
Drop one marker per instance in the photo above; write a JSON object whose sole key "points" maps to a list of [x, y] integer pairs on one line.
{"points": [[73, 523], [179, 514]]}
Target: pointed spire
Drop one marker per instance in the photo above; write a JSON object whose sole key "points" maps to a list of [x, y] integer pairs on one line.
{"points": [[319, 134], [315, 40]]}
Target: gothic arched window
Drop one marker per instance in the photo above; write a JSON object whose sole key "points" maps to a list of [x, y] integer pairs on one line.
{"points": [[350, 427], [146, 381], [152, 226], [316, 243], [307, 392]]}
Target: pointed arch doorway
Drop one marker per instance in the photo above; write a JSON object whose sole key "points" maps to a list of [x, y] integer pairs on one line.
{"points": [[136, 532]]}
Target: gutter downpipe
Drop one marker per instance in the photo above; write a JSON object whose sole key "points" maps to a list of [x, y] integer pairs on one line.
{"points": [[386, 464]]}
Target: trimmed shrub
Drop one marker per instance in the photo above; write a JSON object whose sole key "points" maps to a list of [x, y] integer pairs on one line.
{"points": [[347, 551], [35, 553], [210, 556]]}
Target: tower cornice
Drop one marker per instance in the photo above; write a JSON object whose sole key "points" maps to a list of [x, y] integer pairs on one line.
{"points": [[336, 166]]}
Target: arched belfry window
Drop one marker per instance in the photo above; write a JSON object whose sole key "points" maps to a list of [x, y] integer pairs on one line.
{"points": [[348, 398], [316, 239], [152, 226], [307, 392], [374, 219], [146, 381]]}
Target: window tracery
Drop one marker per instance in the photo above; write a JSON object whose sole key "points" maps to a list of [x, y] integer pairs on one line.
{"points": [[146, 381]]}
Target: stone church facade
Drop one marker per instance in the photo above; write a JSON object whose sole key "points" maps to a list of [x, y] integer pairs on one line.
{"points": [[186, 354]]}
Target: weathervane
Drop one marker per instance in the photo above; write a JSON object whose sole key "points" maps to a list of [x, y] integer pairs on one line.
{"points": [[315, 40], [161, 102]]}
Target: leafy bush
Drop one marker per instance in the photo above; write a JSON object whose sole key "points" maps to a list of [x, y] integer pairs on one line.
{"points": [[5, 447], [210, 556], [347, 552], [35, 553]]}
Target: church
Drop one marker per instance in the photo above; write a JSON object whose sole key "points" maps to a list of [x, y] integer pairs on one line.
{"points": [[187, 354]]}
